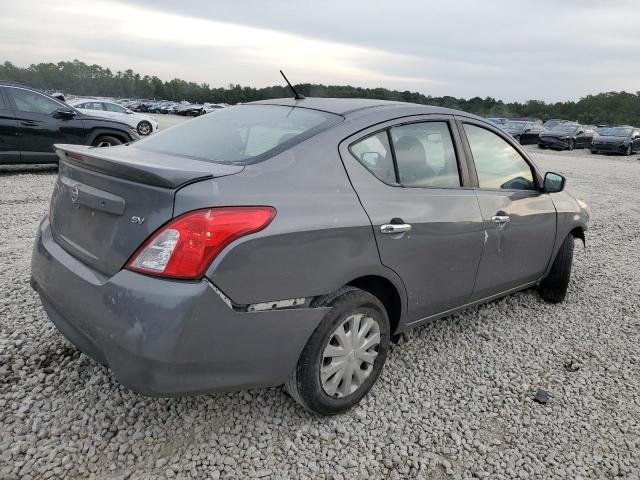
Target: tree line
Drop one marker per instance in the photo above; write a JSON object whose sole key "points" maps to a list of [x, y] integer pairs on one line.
{"points": [[78, 78]]}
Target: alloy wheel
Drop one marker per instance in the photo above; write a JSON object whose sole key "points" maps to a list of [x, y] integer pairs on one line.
{"points": [[349, 356]]}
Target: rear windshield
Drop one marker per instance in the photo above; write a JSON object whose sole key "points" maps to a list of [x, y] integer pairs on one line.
{"points": [[240, 135]]}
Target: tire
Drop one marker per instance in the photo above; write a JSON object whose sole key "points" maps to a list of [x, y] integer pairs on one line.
{"points": [[572, 145], [518, 139], [542, 147], [306, 386], [106, 141], [593, 152], [554, 287], [629, 151], [144, 128]]}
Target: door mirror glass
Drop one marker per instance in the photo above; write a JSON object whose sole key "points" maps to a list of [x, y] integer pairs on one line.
{"points": [[580, 132], [527, 130], [553, 182]]}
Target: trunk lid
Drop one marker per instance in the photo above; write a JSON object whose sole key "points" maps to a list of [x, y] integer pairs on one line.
{"points": [[108, 201]]}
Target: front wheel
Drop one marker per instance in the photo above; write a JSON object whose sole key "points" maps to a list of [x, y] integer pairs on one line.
{"points": [[106, 141], [629, 150], [554, 287], [345, 354], [144, 128], [572, 144]]}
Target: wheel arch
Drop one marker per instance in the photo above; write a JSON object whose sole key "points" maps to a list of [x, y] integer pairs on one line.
{"points": [[119, 134], [388, 293]]}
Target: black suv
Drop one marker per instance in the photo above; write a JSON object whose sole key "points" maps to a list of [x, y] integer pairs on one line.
{"points": [[31, 122]]}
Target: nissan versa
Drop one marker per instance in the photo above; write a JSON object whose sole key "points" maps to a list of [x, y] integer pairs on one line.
{"points": [[289, 241]]}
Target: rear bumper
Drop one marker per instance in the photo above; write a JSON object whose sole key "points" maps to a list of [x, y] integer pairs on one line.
{"points": [[162, 337]]}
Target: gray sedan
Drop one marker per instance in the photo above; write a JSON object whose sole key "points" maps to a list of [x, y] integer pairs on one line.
{"points": [[290, 241]]}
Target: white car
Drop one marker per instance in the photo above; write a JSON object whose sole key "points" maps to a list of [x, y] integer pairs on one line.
{"points": [[144, 124]]}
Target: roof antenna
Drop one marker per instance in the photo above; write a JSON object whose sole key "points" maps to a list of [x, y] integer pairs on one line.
{"points": [[296, 95]]}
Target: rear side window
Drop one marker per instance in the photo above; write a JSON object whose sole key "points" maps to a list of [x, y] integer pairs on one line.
{"points": [[242, 134], [425, 155], [498, 164], [2, 104], [423, 152], [375, 154]]}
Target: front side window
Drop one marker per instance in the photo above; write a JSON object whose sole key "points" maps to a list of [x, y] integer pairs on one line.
{"points": [[112, 107], [32, 102], [242, 134], [498, 164], [2, 105], [425, 155], [375, 154]]}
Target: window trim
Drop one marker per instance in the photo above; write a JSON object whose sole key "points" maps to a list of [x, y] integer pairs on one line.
{"points": [[386, 126], [30, 90], [535, 173]]}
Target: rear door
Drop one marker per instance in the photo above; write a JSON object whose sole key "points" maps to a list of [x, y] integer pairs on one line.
{"points": [[427, 225], [520, 221], [39, 125], [9, 150]]}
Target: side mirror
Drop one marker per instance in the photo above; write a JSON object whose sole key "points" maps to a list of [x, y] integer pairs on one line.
{"points": [[370, 158], [65, 113], [580, 132], [527, 130], [553, 182]]}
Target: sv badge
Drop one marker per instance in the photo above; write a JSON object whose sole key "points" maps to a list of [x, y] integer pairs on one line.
{"points": [[137, 220]]}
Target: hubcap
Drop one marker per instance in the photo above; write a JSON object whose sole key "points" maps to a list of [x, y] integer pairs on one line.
{"points": [[104, 144], [348, 357], [144, 129]]}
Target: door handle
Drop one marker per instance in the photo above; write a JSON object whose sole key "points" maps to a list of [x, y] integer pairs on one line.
{"points": [[500, 219], [395, 228]]}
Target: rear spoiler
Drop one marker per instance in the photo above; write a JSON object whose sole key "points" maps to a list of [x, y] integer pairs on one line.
{"points": [[142, 166]]}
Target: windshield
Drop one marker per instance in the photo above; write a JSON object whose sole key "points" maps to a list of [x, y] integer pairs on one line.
{"points": [[617, 132], [240, 135], [551, 123], [516, 125], [564, 128]]}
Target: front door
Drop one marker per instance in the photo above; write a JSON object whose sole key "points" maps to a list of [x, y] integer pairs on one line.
{"points": [[40, 126], [520, 221], [428, 228], [9, 151]]}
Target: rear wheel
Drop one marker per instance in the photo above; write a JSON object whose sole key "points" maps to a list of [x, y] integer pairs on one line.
{"points": [[344, 355], [106, 141], [554, 287], [144, 128]]}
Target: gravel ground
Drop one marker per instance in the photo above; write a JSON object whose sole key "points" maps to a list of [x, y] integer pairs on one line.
{"points": [[454, 401]]}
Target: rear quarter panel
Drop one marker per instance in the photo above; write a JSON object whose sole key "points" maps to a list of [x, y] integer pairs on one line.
{"points": [[320, 239]]}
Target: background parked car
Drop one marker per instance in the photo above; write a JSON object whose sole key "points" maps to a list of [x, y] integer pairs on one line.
{"points": [[524, 131], [554, 122], [498, 120], [144, 124], [567, 136], [31, 122], [620, 139], [190, 110]]}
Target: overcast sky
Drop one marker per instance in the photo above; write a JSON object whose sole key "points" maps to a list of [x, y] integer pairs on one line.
{"points": [[508, 49]]}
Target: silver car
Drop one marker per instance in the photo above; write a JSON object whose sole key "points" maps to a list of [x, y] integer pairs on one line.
{"points": [[290, 241]]}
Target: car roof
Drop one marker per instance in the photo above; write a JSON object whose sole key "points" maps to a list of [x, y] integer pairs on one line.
{"points": [[346, 106]]}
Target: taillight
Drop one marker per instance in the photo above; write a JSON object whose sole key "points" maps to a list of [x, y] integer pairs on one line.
{"points": [[186, 246]]}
